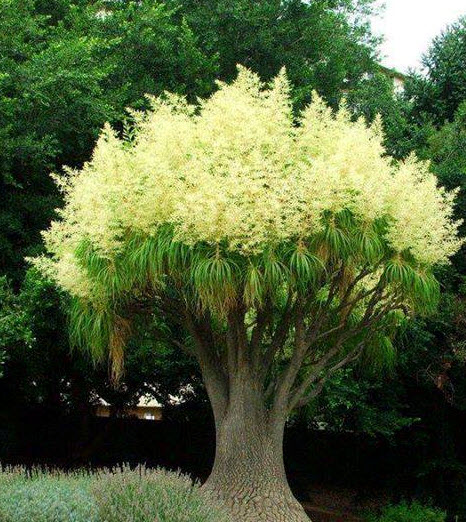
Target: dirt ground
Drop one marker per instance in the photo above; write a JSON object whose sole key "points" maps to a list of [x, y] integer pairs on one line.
{"points": [[339, 505]]}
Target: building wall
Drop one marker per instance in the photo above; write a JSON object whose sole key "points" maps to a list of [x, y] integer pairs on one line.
{"points": [[153, 413]]}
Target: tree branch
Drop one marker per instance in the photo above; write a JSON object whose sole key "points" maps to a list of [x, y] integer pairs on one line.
{"points": [[301, 398], [283, 387], [262, 321], [279, 337], [215, 379]]}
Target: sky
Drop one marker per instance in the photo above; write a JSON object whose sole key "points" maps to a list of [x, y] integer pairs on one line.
{"points": [[410, 25]]}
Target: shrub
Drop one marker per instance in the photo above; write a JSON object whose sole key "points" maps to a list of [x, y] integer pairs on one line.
{"points": [[409, 512], [41, 497], [11, 476], [142, 495], [119, 495]]}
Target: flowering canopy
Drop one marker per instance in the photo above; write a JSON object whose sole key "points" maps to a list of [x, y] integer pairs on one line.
{"points": [[234, 196]]}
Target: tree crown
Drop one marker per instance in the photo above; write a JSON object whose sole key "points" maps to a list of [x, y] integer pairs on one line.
{"points": [[235, 199]]}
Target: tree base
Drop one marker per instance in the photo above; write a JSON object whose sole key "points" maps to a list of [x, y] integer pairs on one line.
{"points": [[252, 505]]}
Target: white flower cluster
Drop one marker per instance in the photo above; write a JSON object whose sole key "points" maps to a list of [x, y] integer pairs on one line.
{"points": [[239, 170]]}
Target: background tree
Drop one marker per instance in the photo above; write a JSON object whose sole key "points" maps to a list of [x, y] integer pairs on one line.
{"points": [[375, 95], [430, 378], [327, 46], [441, 91], [280, 252], [51, 110], [46, 385], [148, 49], [13, 324], [66, 69]]}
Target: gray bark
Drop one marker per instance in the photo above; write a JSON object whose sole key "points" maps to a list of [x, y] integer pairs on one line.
{"points": [[248, 476]]}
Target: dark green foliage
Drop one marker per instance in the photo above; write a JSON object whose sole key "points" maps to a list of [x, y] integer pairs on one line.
{"points": [[38, 348], [43, 377], [354, 401], [437, 346], [15, 328], [444, 89], [409, 512], [39, 372], [52, 106], [431, 370], [324, 45], [146, 50], [429, 374], [447, 149]]}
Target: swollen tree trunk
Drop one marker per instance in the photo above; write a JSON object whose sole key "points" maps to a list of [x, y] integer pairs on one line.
{"points": [[252, 372], [248, 475]]}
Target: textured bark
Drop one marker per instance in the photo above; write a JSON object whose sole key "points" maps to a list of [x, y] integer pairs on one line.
{"points": [[248, 476]]}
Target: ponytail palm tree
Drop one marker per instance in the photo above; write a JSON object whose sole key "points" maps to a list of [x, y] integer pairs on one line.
{"points": [[283, 248]]}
